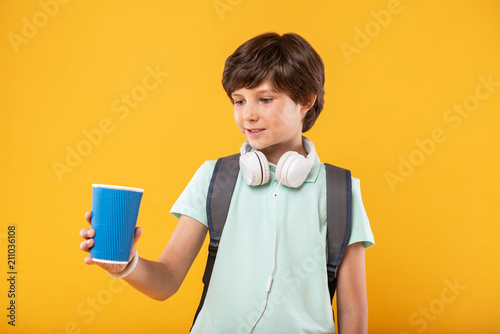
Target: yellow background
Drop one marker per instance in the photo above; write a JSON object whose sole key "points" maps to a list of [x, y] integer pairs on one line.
{"points": [[434, 227]]}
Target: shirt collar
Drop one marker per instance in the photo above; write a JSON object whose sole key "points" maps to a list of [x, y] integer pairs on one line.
{"points": [[313, 174]]}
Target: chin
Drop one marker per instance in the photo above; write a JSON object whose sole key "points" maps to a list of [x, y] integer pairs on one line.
{"points": [[256, 144]]}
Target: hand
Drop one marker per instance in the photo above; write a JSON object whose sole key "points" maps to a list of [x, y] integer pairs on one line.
{"points": [[89, 233]]}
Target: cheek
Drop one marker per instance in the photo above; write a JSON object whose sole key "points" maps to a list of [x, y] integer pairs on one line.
{"points": [[292, 117], [236, 117], [238, 120]]}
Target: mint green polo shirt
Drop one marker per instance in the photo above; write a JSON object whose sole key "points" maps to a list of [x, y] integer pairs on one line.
{"points": [[299, 298]]}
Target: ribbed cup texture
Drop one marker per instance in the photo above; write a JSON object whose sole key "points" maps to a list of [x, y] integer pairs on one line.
{"points": [[114, 217]]}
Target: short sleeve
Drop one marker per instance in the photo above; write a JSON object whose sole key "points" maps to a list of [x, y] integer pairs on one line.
{"points": [[192, 201], [360, 229]]}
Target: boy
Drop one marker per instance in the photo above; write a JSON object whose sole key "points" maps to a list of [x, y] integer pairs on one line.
{"points": [[270, 272]]}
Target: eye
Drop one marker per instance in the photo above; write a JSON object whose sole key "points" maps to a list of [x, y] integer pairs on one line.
{"points": [[239, 102], [266, 100]]}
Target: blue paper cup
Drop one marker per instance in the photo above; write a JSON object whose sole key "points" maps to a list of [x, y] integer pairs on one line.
{"points": [[114, 217]]}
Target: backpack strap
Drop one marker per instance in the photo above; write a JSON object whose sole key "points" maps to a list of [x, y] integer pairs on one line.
{"points": [[218, 199], [338, 216]]}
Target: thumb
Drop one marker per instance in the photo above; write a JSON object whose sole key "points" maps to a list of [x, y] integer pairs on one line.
{"points": [[137, 236]]}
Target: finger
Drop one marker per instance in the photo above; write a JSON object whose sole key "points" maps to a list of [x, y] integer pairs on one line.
{"points": [[89, 260], [87, 233], [138, 232], [88, 216], [137, 235], [86, 245]]}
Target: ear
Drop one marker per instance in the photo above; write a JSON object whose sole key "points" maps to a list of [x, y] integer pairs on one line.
{"points": [[309, 105]]}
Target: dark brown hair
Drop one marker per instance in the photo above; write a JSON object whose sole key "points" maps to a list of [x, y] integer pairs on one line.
{"points": [[290, 64]]}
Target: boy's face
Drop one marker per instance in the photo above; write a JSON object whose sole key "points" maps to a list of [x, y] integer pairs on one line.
{"points": [[270, 120]]}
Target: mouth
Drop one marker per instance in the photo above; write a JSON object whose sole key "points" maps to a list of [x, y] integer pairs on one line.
{"points": [[255, 130], [254, 133]]}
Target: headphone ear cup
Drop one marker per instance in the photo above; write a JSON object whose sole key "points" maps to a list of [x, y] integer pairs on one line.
{"points": [[254, 168], [264, 167], [283, 166], [293, 168]]}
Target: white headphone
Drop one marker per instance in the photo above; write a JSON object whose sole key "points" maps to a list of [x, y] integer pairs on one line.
{"points": [[292, 168]]}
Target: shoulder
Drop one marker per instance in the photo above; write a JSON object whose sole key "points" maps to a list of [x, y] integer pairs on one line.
{"points": [[201, 177], [206, 169], [192, 200], [355, 182], [361, 229]]}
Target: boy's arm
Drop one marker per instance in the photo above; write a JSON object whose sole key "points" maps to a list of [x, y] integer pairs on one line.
{"points": [[352, 305], [161, 279]]}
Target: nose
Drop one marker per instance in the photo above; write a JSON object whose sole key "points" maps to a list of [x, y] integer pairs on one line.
{"points": [[250, 112]]}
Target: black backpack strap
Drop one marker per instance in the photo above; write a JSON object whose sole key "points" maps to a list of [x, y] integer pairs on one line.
{"points": [[218, 200], [338, 216]]}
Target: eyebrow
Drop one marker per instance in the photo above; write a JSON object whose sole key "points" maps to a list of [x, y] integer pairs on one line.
{"points": [[266, 91]]}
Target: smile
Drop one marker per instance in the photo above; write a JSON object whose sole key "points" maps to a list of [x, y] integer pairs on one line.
{"points": [[254, 133]]}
